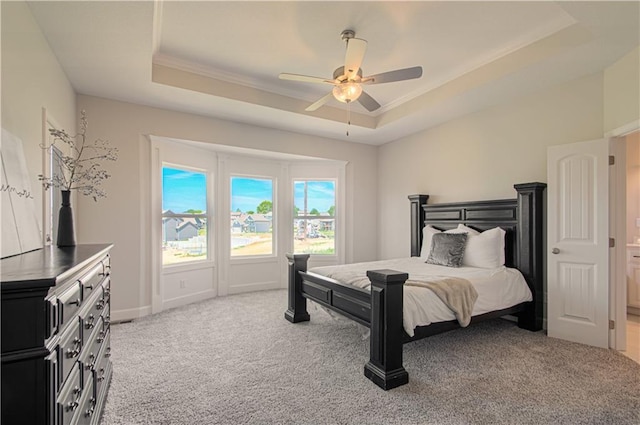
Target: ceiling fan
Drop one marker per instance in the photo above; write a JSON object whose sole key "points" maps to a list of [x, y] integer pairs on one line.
{"points": [[348, 80]]}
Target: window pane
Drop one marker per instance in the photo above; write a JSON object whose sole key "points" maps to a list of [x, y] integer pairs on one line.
{"points": [[184, 191], [184, 238], [314, 221], [251, 216]]}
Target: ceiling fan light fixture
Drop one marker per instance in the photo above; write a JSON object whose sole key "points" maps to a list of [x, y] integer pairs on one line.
{"points": [[347, 92]]}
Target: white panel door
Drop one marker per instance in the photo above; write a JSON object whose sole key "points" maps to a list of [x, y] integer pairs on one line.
{"points": [[578, 242]]}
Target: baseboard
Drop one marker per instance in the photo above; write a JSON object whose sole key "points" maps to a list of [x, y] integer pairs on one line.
{"points": [[188, 299], [129, 314], [255, 286]]}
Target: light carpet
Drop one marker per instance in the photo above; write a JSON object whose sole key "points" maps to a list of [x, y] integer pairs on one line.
{"points": [[236, 360]]}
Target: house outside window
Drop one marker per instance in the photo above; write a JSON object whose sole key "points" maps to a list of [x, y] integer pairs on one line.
{"points": [[314, 217], [184, 215], [251, 216]]}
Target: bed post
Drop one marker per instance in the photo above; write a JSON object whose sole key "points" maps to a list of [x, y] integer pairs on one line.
{"points": [[297, 311], [417, 222], [530, 235], [384, 367]]}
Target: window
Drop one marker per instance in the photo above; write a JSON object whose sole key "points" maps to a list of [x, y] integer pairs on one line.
{"points": [[251, 216], [314, 221], [184, 215]]}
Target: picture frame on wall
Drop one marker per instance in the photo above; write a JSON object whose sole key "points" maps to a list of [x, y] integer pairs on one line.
{"points": [[20, 225]]}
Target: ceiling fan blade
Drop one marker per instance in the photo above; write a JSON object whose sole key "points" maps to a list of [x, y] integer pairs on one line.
{"points": [[318, 103], [304, 78], [356, 48], [368, 102], [397, 75]]}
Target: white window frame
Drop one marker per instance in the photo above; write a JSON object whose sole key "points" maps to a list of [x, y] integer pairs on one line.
{"points": [[334, 171], [207, 215], [314, 217], [274, 217], [167, 151]]}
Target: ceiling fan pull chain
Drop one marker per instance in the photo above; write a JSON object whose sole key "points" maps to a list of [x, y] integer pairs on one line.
{"points": [[348, 117]]}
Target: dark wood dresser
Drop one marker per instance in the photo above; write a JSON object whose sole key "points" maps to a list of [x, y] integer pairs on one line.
{"points": [[55, 335]]}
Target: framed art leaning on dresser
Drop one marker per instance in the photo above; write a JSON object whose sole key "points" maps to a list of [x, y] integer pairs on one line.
{"points": [[55, 335]]}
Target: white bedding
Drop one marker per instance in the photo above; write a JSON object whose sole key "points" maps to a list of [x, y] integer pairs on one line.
{"points": [[497, 289]]}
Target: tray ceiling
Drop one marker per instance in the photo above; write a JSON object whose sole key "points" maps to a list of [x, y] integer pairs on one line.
{"points": [[222, 59]]}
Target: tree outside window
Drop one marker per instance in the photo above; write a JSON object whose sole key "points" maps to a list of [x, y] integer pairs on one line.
{"points": [[251, 216], [184, 215], [314, 222]]}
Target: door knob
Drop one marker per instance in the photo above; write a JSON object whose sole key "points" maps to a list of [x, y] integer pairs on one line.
{"points": [[555, 251]]}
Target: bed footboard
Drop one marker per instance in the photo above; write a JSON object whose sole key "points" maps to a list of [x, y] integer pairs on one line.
{"points": [[379, 309], [297, 308], [384, 367]]}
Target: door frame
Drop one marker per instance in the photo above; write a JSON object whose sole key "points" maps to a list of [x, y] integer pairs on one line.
{"points": [[618, 231]]}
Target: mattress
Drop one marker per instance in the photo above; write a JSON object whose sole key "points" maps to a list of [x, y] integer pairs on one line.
{"points": [[497, 288]]}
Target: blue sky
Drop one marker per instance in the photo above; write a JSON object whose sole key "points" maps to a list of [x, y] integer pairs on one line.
{"points": [[247, 193], [183, 190], [321, 195]]}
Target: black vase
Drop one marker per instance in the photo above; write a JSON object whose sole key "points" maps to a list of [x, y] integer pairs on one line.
{"points": [[66, 232]]}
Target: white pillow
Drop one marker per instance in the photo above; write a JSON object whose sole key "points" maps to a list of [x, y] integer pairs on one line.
{"points": [[485, 250], [427, 233]]}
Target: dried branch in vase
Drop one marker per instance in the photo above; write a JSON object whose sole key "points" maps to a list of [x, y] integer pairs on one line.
{"points": [[80, 162]]}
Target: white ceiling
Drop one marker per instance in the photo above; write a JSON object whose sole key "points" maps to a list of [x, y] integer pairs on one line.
{"points": [[222, 59]]}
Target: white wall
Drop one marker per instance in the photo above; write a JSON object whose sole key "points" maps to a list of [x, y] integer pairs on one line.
{"points": [[119, 217], [32, 79], [622, 91], [482, 155]]}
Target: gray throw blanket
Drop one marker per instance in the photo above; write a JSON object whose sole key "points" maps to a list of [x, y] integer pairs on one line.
{"points": [[458, 294]]}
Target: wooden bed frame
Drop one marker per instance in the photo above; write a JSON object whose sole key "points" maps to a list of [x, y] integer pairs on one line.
{"points": [[381, 308]]}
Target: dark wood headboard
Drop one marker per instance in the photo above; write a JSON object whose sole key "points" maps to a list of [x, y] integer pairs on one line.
{"points": [[522, 219]]}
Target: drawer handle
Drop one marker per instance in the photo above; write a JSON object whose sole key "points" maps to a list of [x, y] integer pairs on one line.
{"points": [[73, 405], [100, 337], [92, 361], [636, 256], [89, 411], [90, 320], [77, 302], [107, 320], [103, 375], [100, 304], [71, 353], [108, 352]]}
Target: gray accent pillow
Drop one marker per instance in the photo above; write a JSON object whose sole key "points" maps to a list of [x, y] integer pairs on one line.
{"points": [[447, 249]]}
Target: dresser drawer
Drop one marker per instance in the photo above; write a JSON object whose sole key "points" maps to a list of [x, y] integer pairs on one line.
{"points": [[106, 290], [106, 316], [91, 313], [68, 400], [91, 350], [69, 303], [103, 365], [94, 343], [69, 349], [91, 281], [86, 410], [106, 264]]}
